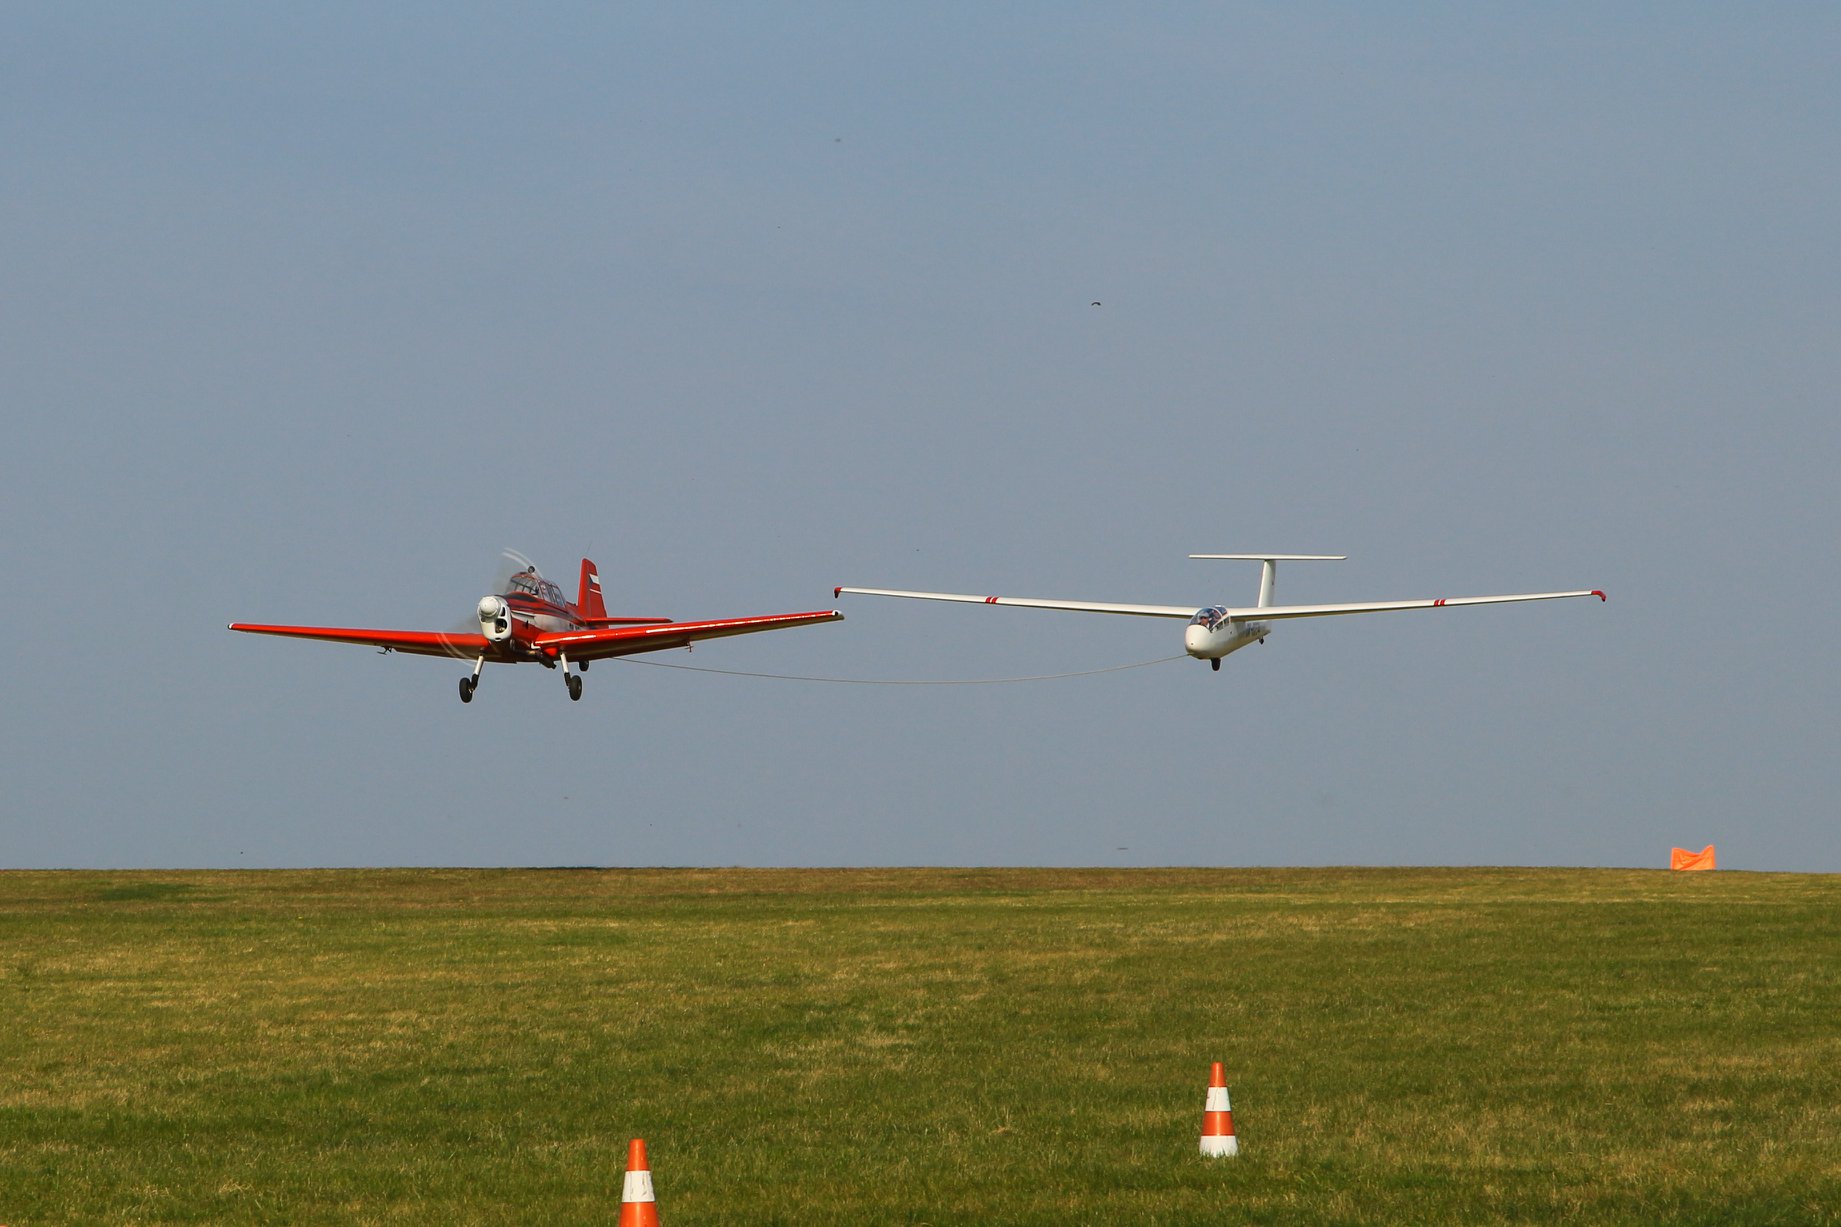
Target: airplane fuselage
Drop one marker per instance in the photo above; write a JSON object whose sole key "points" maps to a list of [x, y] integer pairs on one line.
{"points": [[1211, 634], [513, 620], [532, 616]]}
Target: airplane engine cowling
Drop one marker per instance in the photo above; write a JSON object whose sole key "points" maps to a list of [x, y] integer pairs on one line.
{"points": [[494, 618]]}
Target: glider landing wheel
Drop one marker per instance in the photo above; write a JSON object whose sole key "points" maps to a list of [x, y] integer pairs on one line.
{"points": [[466, 689], [1215, 664], [575, 689]]}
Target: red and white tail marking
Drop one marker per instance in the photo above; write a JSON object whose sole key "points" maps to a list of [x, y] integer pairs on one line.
{"points": [[588, 602]]}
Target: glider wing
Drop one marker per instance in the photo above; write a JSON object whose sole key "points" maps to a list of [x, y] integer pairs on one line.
{"points": [[1273, 612]]}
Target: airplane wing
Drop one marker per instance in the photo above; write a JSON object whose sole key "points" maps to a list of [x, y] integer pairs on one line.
{"points": [[1255, 613], [459, 644], [597, 643], [1142, 611], [1271, 612]]}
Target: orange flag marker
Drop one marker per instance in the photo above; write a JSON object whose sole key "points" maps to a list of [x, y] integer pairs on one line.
{"points": [[1681, 858], [1218, 1139], [638, 1208]]}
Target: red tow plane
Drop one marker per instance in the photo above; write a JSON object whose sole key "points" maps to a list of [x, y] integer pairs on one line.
{"points": [[532, 622]]}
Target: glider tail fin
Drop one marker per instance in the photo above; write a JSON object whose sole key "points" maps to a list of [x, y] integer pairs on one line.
{"points": [[1269, 569], [588, 602]]}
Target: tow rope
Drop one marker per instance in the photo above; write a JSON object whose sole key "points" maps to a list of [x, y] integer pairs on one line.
{"points": [[891, 681]]}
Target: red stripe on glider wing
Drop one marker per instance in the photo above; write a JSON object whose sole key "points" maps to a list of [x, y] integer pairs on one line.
{"points": [[418, 643], [597, 643]]}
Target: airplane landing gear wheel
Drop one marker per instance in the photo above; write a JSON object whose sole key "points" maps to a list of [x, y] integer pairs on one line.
{"points": [[466, 689], [575, 689], [1215, 664]]}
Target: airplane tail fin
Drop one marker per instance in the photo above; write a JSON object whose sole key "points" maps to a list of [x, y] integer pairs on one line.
{"points": [[588, 602], [1269, 570]]}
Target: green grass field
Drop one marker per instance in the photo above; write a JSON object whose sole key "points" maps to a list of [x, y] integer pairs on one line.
{"points": [[1419, 1046]]}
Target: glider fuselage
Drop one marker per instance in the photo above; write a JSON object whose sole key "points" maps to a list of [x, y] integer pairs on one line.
{"points": [[1213, 634]]}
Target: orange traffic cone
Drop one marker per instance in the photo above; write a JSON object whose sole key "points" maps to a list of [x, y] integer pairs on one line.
{"points": [[637, 1207], [1217, 1118]]}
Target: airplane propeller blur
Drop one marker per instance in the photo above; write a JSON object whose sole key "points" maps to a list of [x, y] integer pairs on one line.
{"points": [[531, 621], [1214, 632]]}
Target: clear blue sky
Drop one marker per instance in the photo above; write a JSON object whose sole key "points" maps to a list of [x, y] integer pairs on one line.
{"points": [[309, 311]]}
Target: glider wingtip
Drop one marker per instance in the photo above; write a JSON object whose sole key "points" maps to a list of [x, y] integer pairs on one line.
{"points": [[1599, 593], [837, 592]]}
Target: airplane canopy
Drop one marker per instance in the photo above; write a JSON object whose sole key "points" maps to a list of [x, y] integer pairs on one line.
{"points": [[529, 583]]}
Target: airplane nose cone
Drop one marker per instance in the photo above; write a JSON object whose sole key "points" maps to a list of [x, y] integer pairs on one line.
{"points": [[1195, 638]]}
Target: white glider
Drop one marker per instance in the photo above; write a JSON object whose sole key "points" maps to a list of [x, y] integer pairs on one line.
{"points": [[1219, 629]]}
